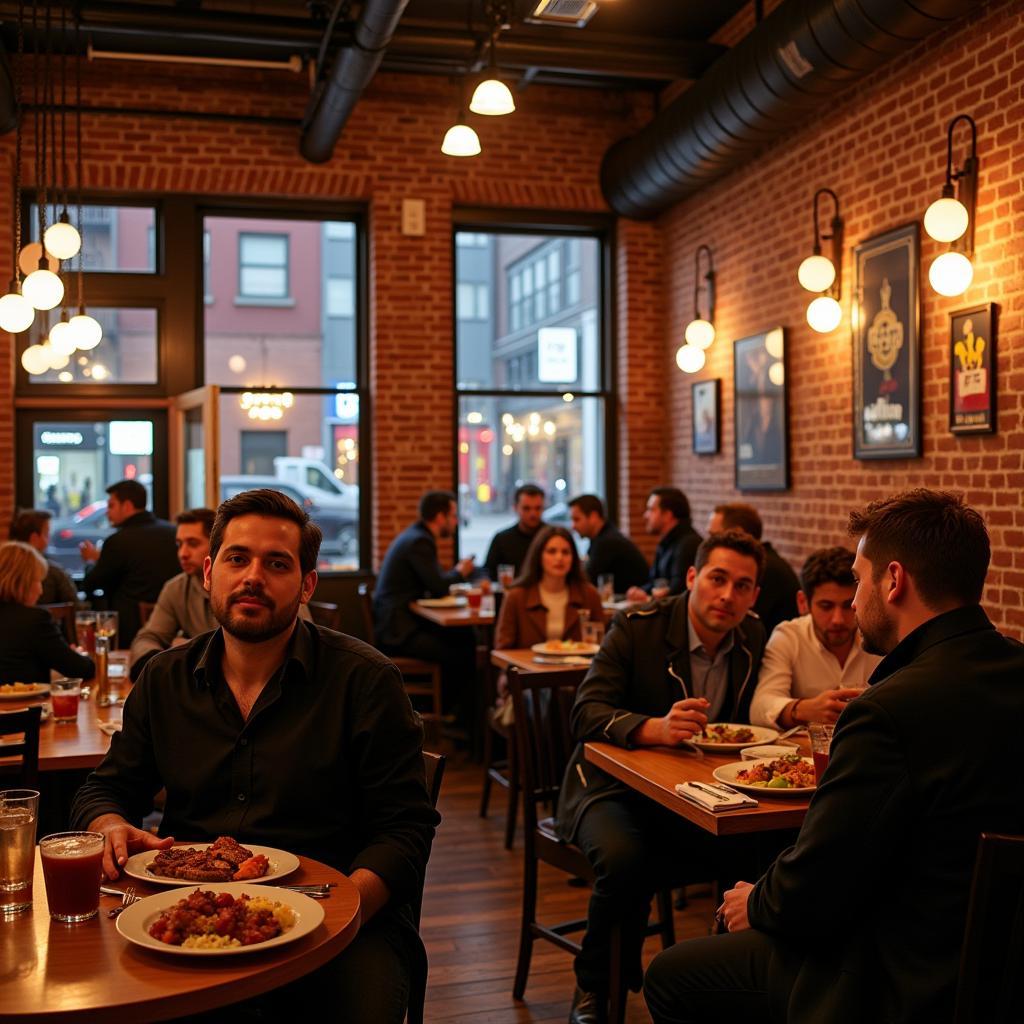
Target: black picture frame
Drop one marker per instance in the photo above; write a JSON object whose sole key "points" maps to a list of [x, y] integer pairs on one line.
{"points": [[972, 370], [886, 318], [706, 416], [760, 412]]}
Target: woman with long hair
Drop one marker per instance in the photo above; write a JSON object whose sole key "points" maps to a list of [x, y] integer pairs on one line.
{"points": [[31, 643]]}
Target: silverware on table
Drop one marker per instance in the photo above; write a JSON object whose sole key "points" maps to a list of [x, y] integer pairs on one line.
{"points": [[128, 897], [789, 732]]}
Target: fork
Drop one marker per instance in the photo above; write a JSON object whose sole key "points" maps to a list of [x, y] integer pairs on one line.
{"points": [[128, 897]]}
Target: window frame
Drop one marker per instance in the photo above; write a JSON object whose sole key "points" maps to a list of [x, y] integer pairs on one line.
{"points": [[243, 298]]}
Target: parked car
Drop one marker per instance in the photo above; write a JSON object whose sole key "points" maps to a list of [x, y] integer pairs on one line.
{"points": [[318, 480], [67, 532]]}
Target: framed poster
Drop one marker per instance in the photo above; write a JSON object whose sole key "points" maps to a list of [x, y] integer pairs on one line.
{"points": [[886, 347], [706, 404], [972, 370], [760, 411]]}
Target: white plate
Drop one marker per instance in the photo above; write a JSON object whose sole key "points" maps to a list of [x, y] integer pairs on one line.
{"points": [[42, 691], [761, 735], [557, 648], [727, 773], [134, 922], [281, 863], [443, 602]]}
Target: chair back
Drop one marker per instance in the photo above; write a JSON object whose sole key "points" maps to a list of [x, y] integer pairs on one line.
{"points": [[26, 724], [433, 767], [145, 610], [326, 613], [991, 982], [542, 703], [63, 614], [366, 606]]}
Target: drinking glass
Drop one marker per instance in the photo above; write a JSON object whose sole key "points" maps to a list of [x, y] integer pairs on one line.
{"points": [[593, 632], [821, 743], [606, 586], [72, 870], [660, 588], [19, 809], [474, 596], [106, 625], [487, 604], [64, 695], [506, 574], [85, 631]]}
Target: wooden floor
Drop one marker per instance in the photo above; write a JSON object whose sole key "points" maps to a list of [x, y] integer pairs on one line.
{"points": [[470, 920]]}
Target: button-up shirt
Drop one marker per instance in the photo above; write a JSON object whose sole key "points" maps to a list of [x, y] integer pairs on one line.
{"points": [[709, 676], [797, 665]]}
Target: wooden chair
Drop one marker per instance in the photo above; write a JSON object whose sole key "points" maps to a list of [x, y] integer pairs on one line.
{"points": [[64, 615], [24, 723], [326, 613], [145, 610], [503, 771], [422, 678], [542, 702], [990, 986], [433, 767]]}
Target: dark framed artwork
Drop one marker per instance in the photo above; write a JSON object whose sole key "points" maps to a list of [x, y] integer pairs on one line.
{"points": [[887, 347], [760, 412], [972, 370], [706, 402]]}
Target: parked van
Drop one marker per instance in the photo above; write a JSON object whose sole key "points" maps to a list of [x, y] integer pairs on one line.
{"points": [[317, 479]]}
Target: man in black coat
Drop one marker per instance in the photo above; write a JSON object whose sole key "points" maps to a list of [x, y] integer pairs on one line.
{"points": [[667, 516], [663, 671], [509, 546], [611, 553], [863, 918], [135, 562]]}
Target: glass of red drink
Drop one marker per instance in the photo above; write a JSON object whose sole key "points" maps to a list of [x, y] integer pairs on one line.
{"points": [[85, 631], [64, 695], [72, 867], [821, 743], [474, 596]]}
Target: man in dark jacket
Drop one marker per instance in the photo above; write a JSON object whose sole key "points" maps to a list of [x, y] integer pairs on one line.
{"points": [[610, 553], [135, 562], [509, 546], [662, 673], [667, 516], [863, 918], [32, 526]]}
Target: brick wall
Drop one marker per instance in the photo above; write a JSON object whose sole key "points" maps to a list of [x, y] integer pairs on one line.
{"points": [[881, 147]]}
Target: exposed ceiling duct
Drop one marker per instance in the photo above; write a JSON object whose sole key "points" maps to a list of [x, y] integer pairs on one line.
{"points": [[335, 98], [786, 69]]}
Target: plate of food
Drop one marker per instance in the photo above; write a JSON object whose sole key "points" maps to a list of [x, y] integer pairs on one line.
{"points": [[23, 691], [790, 775], [451, 601], [219, 919], [566, 648], [222, 861], [726, 737]]}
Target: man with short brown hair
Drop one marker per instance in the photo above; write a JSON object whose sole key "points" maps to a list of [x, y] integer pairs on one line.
{"points": [[32, 526]]}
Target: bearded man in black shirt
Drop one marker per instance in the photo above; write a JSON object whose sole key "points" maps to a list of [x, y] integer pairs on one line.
{"points": [[278, 732]]}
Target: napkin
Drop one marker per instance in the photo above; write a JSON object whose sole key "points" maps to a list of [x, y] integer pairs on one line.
{"points": [[109, 727], [712, 799]]}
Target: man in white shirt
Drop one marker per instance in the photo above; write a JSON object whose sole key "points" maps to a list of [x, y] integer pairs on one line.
{"points": [[814, 664]]}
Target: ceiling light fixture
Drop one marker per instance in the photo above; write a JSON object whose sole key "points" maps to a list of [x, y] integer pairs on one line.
{"points": [[460, 139], [492, 97], [700, 332], [818, 273]]}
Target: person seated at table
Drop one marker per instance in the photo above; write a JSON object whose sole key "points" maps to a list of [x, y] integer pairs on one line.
{"points": [[509, 546], [815, 940], [135, 561], [777, 601], [667, 516], [31, 641], [411, 570], [282, 733], [32, 526], [664, 671], [611, 553], [814, 664]]}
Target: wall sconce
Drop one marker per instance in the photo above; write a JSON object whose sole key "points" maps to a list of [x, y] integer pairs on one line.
{"points": [[818, 273], [951, 218], [699, 333]]}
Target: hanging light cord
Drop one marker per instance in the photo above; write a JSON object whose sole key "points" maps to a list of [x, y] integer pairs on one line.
{"points": [[78, 158], [19, 127]]}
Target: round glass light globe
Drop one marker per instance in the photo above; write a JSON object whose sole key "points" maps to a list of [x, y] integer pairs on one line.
{"points": [[824, 314], [35, 360], [28, 259], [58, 360], [62, 240], [493, 98], [816, 273], [777, 374], [100, 372], [62, 337], [946, 219], [237, 364], [16, 313], [690, 359], [88, 331], [951, 273], [43, 288], [699, 333], [460, 140]]}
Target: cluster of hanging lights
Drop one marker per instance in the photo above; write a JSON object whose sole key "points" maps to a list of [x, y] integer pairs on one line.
{"points": [[36, 285]]}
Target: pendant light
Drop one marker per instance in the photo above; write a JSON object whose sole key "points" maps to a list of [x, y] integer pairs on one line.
{"points": [[62, 238], [492, 97], [460, 139]]}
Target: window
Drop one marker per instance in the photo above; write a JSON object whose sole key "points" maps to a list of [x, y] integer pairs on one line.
{"points": [[115, 239], [554, 435], [341, 297], [470, 240], [263, 266], [207, 287], [473, 302]]}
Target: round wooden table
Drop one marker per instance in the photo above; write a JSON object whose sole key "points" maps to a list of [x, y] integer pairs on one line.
{"points": [[60, 972]]}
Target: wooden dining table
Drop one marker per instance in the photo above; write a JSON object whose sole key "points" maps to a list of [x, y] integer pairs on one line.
{"points": [[524, 659], [57, 972], [452, 617]]}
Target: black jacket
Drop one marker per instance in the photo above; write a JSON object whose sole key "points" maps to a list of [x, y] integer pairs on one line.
{"points": [[508, 547], [613, 552], [410, 571], [31, 643], [777, 601], [642, 669], [134, 564], [873, 895], [675, 553]]}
